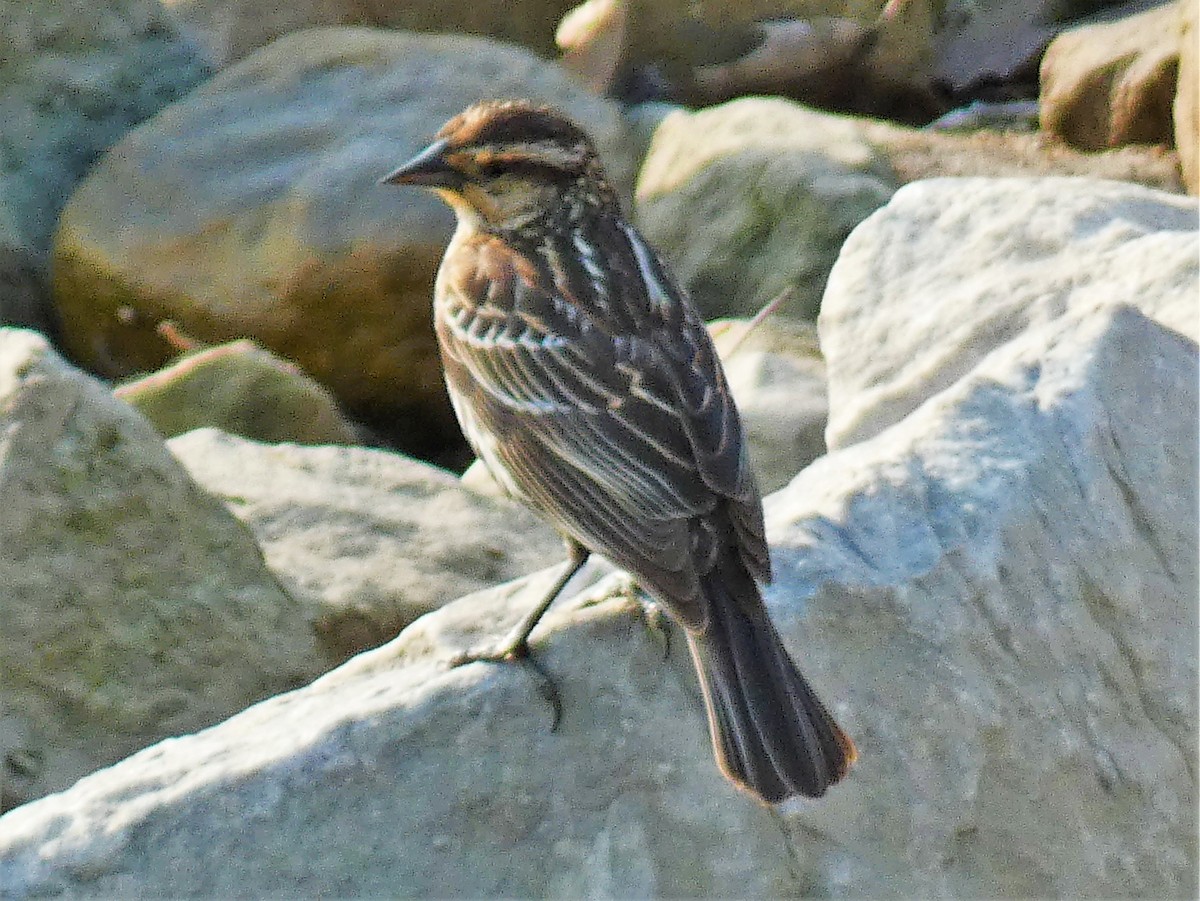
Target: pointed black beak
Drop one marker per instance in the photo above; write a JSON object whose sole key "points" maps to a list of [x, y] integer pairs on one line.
{"points": [[428, 168]]}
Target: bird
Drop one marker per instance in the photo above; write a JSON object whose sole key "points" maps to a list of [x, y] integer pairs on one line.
{"points": [[589, 386]]}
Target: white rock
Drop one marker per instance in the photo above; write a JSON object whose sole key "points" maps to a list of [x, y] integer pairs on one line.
{"points": [[394, 776], [1004, 585], [952, 268], [997, 596]]}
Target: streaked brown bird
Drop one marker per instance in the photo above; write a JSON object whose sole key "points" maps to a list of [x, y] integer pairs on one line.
{"points": [[589, 386]]}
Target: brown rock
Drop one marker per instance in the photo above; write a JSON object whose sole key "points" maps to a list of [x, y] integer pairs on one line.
{"points": [[252, 209], [243, 389], [1113, 83]]}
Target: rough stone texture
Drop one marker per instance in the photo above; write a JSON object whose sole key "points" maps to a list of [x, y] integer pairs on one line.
{"points": [[76, 76], [365, 540], [777, 376], [395, 777], [1113, 83], [1187, 98], [231, 29], [754, 197], [252, 209], [134, 606], [240, 388], [975, 261], [997, 596], [1007, 581], [759, 194]]}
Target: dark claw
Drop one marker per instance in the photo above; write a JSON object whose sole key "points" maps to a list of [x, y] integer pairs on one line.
{"points": [[518, 653]]}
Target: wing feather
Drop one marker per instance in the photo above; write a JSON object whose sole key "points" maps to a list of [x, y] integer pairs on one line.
{"points": [[622, 432]]}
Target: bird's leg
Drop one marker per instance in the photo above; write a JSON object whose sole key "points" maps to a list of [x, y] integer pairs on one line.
{"points": [[515, 645]]}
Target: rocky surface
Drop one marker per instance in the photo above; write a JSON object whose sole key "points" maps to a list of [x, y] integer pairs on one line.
{"points": [[134, 605], [241, 388], [464, 790], [995, 592], [1009, 575], [980, 260], [365, 540], [1113, 83], [754, 197], [758, 195], [252, 209], [991, 576]]}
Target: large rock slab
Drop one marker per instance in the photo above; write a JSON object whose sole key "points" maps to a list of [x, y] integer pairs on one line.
{"points": [[394, 776], [964, 264], [1005, 582], [997, 597], [134, 605], [251, 209], [365, 540]]}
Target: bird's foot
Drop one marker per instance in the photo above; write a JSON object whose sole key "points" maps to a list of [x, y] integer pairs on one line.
{"points": [[510, 651], [650, 612]]}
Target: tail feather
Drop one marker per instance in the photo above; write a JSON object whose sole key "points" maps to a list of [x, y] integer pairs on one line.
{"points": [[770, 732]]}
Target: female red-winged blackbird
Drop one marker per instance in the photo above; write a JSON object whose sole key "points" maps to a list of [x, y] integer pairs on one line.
{"points": [[590, 388]]}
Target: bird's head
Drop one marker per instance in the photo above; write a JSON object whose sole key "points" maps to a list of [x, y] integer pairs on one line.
{"points": [[505, 164]]}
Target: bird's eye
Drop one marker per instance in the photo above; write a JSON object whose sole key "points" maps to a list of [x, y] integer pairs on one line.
{"points": [[492, 169]]}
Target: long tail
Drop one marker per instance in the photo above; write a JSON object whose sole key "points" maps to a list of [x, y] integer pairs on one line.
{"points": [[770, 732]]}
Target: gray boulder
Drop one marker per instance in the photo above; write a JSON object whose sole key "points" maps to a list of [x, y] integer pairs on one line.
{"points": [[133, 606], [754, 197], [1006, 581], [365, 540], [75, 77]]}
